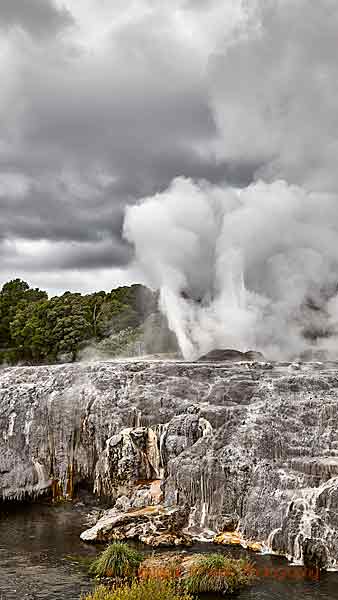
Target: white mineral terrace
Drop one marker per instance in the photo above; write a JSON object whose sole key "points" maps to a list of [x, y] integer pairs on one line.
{"points": [[256, 442]]}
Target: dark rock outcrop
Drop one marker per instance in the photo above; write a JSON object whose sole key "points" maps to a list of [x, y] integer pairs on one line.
{"points": [[231, 355]]}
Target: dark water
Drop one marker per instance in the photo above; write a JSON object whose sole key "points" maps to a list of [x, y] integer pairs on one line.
{"points": [[37, 540]]}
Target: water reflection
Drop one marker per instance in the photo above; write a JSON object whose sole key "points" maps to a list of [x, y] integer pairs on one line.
{"points": [[33, 543]]}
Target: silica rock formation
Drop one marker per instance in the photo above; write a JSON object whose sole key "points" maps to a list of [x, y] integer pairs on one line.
{"points": [[252, 444]]}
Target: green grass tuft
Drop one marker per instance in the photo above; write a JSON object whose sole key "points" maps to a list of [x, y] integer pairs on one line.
{"points": [[118, 561], [218, 573]]}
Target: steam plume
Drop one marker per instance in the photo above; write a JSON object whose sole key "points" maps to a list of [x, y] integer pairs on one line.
{"points": [[257, 267], [242, 268]]}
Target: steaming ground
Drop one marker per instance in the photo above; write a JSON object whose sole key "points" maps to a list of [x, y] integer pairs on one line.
{"points": [[242, 268]]}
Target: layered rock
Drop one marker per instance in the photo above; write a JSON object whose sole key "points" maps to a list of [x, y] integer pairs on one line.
{"points": [[252, 441]]}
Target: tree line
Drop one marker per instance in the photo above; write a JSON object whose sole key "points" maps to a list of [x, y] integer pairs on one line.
{"points": [[35, 329]]}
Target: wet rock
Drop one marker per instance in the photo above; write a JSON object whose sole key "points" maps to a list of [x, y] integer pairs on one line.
{"points": [[166, 540], [230, 523], [230, 538], [315, 554], [254, 546], [234, 538], [153, 525]]}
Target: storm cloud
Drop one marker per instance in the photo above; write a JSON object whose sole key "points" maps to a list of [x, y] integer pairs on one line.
{"points": [[103, 103]]}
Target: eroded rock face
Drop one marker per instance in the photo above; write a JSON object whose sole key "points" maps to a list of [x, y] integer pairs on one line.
{"points": [[129, 456], [256, 441], [181, 433]]}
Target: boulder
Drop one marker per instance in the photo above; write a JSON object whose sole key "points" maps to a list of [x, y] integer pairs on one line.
{"points": [[153, 525]]}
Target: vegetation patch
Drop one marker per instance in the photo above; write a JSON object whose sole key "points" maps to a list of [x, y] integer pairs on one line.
{"points": [[165, 567], [185, 574], [218, 573], [118, 561], [145, 590], [35, 329], [198, 574]]}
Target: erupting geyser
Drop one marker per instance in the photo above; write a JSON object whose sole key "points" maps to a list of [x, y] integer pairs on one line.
{"points": [[242, 268]]}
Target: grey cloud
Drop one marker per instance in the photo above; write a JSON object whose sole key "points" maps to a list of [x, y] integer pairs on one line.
{"points": [[200, 5], [96, 126], [90, 226], [38, 17], [273, 93], [111, 253], [51, 212], [51, 256], [138, 113]]}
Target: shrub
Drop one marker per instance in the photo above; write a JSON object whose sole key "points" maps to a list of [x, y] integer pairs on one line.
{"points": [[118, 561], [218, 573], [146, 590]]}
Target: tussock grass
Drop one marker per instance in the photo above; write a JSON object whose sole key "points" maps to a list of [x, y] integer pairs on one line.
{"points": [[145, 590], [218, 573], [167, 580], [118, 561]]}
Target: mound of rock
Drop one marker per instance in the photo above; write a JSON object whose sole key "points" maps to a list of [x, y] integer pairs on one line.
{"points": [[232, 356]]}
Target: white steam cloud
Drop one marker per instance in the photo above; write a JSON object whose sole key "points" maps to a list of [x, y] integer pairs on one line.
{"points": [[257, 268], [253, 268]]}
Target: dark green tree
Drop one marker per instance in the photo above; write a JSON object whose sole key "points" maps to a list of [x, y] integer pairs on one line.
{"points": [[15, 295], [36, 329]]}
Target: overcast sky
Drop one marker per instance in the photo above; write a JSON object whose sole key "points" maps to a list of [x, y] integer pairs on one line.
{"points": [[104, 102]]}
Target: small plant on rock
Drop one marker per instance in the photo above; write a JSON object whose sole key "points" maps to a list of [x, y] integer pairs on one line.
{"points": [[118, 561]]}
